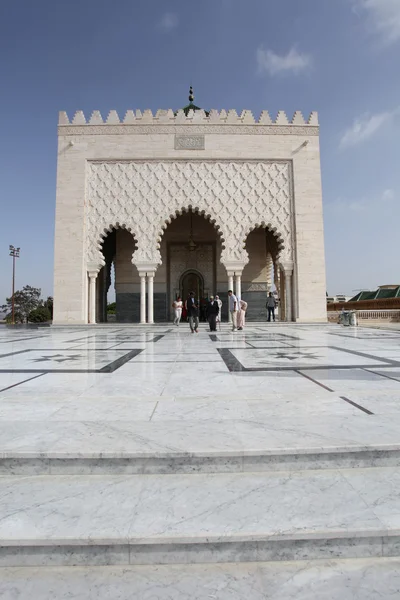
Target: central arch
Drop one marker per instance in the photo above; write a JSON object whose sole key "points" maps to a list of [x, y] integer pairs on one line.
{"points": [[166, 221], [190, 250]]}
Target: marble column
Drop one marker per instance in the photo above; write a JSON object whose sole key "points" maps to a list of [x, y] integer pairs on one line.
{"points": [[142, 297], [92, 297], [269, 271], [288, 295], [281, 290], [150, 292], [230, 287], [238, 287]]}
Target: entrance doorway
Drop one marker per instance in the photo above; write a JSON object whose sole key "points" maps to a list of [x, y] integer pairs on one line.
{"points": [[191, 281]]}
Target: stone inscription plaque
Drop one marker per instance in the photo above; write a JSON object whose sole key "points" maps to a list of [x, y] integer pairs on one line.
{"points": [[189, 142]]}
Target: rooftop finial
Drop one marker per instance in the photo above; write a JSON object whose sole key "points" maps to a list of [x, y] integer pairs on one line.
{"points": [[191, 94]]}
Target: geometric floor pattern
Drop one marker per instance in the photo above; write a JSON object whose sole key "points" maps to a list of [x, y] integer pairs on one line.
{"points": [[148, 462]]}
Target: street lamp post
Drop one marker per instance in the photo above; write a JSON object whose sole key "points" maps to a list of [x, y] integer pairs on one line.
{"points": [[14, 252]]}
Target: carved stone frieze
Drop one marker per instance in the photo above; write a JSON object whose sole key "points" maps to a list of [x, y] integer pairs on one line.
{"points": [[143, 196], [255, 287], [303, 130]]}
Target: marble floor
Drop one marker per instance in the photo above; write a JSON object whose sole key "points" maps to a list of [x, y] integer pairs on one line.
{"points": [[113, 436]]}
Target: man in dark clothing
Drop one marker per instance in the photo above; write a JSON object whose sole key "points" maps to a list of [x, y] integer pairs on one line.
{"points": [[212, 312], [271, 307], [192, 308]]}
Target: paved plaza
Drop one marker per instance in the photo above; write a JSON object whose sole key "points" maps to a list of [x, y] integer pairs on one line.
{"points": [[266, 461]]}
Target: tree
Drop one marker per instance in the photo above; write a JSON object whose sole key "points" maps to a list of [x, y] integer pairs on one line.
{"points": [[25, 301], [41, 314], [111, 308], [49, 304]]}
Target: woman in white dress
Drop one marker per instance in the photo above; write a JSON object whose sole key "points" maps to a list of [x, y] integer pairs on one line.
{"points": [[241, 316], [219, 316], [177, 305]]}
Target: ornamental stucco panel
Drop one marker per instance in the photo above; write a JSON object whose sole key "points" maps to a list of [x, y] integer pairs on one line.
{"points": [[144, 196]]}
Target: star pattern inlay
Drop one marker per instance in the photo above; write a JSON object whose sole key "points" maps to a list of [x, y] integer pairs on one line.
{"points": [[294, 355], [57, 358]]}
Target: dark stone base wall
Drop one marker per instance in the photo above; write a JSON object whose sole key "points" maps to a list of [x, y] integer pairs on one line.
{"points": [[128, 307], [256, 302], [256, 310], [160, 307]]}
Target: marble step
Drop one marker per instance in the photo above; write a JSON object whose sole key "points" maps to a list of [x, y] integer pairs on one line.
{"points": [[188, 445], [103, 463], [353, 579], [204, 518]]}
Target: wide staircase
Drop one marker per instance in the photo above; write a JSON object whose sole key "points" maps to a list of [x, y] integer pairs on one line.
{"points": [[223, 523]]}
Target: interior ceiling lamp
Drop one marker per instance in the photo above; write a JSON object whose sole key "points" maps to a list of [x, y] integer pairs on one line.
{"points": [[191, 245]]}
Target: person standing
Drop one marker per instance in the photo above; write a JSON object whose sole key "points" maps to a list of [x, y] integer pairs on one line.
{"points": [[241, 315], [270, 307], [219, 315], [233, 308], [177, 306], [212, 311], [192, 309]]}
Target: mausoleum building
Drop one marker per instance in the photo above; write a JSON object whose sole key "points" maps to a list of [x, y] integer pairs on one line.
{"points": [[187, 200]]}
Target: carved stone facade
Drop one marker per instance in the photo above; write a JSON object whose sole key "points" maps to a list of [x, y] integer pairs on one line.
{"points": [[141, 173], [142, 196]]}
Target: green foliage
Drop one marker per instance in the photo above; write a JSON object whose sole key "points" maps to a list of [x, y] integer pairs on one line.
{"points": [[25, 301], [111, 308], [18, 317], [49, 304], [41, 314]]}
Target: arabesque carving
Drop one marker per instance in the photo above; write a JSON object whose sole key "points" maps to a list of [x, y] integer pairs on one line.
{"points": [[143, 196]]}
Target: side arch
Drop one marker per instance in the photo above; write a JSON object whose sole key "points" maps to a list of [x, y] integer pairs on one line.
{"points": [[95, 247], [278, 237]]}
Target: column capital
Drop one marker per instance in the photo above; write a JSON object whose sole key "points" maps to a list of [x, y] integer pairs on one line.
{"points": [[93, 274], [93, 267], [287, 266], [146, 267], [234, 267]]}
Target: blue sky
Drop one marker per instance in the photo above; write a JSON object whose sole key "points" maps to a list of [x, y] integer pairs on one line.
{"points": [[339, 57]]}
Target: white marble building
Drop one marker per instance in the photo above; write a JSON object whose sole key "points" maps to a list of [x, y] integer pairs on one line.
{"points": [[187, 200]]}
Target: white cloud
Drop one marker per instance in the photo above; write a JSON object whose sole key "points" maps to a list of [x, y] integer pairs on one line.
{"points": [[169, 21], [388, 195], [382, 17], [365, 127], [369, 205], [293, 62]]}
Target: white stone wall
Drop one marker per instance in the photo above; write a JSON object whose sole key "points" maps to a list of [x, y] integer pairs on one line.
{"points": [[294, 148]]}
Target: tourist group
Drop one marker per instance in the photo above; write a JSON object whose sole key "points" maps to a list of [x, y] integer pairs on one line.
{"points": [[210, 311]]}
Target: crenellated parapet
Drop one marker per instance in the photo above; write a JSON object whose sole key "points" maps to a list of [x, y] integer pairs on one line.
{"points": [[133, 120]]}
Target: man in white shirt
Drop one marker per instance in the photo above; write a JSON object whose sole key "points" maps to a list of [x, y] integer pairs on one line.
{"points": [[233, 307]]}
